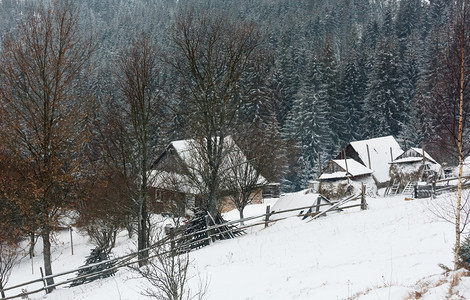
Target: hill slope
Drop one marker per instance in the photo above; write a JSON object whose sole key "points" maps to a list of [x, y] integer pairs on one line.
{"points": [[381, 253]]}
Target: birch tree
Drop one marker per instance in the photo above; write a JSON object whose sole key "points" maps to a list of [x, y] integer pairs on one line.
{"points": [[451, 106]]}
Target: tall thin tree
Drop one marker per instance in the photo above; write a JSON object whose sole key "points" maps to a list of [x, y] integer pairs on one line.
{"points": [[219, 61], [139, 112]]}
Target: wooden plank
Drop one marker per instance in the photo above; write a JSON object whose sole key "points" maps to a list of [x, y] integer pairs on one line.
{"points": [[336, 206]]}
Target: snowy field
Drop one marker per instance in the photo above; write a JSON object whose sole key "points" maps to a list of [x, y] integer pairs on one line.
{"points": [[390, 251]]}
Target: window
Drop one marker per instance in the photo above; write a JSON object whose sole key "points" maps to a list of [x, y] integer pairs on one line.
{"points": [[159, 195]]}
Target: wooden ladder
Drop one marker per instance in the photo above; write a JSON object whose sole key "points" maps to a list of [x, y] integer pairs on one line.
{"points": [[409, 188], [394, 188]]}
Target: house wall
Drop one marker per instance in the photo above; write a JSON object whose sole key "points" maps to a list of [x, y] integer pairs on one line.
{"points": [[410, 153], [332, 168], [225, 204], [271, 191], [167, 202]]}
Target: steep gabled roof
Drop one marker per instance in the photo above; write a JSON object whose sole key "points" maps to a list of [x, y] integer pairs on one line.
{"points": [[189, 152], [413, 155], [382, 151]]}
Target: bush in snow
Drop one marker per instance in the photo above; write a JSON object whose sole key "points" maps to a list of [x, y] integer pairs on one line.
{"points": [[465, 253], [95, 269]]}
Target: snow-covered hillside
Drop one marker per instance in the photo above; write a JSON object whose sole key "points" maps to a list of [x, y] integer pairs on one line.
{"points": [[390, 251]]}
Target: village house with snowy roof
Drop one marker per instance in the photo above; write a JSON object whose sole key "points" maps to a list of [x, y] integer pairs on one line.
{"points": [[367, 161], [177, 176]]}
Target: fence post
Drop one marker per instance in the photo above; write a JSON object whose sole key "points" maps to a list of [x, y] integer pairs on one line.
{"points": [[266, 218], [363, 197], [43, 281], [71, 240], [318, 204]]}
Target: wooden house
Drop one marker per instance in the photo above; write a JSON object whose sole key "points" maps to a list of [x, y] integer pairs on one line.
{"points": [[344, 177], [177, 174]]}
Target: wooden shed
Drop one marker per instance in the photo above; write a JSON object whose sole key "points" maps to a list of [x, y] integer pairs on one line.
{"points": [[344, 177], [412, 166]]}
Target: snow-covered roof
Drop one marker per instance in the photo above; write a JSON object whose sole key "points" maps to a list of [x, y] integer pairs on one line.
{"points": [[419, 151], [381, 151], [295, 200], [335, 175], [353, 169], [235, 165]]}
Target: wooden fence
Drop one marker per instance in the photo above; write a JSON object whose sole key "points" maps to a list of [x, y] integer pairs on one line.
{"points": [[439, 187], [175, 238]]}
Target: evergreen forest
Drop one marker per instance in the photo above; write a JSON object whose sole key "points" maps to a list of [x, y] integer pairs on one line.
{"points": [[333, 71]]}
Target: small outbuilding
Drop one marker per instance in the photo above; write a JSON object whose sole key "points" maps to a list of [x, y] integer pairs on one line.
{"points": [[414, 165], [344, 177]]}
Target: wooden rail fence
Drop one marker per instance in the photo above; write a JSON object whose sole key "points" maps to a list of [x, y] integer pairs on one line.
{"points": [[175, 238]]}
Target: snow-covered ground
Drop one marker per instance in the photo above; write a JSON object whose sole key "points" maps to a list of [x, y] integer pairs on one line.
{"points": [[390, 251]]}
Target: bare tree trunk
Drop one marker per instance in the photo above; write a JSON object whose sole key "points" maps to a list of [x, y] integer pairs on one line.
{"points": [[459, 142], [212, 202], [142, 242], [240, 210], [47, 258], [1, 288], [32, 244]]}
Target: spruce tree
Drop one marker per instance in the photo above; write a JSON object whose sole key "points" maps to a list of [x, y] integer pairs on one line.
{"points": [[352, 89], [329, 96], [383, 104]]}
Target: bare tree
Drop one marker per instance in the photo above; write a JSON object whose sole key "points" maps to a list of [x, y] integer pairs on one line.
{"points": [[460, 142], [242, 180], [137, 116], [221, 63], [9, 257], [168, 276], [10, 233], [446, 209], [44, 114]]}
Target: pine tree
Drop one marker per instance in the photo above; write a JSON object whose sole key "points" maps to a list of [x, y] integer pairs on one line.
{"points": [[308, 127], [384, 107], [289, 80], [431, 75], [352, 92], [328, 95], [409, 77]]}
